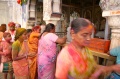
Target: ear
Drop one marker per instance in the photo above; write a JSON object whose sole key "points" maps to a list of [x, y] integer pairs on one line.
{"points": [[72, 33]]}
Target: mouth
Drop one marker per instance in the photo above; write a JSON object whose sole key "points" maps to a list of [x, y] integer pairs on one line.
{"points": [[87, 42]]}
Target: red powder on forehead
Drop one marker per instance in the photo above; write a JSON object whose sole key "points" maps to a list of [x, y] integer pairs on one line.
{"points": [[87, 27], [90, 26]]}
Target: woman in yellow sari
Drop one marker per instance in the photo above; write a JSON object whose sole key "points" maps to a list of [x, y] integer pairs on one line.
{"points": [[19, 55], [33, 48]]}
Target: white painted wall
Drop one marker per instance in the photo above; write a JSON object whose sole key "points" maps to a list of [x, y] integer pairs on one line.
{"points": [[4, 12], [10, 10]]}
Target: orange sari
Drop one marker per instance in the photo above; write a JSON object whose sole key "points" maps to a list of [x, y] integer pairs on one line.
{"points": [[33, 48], [20, 67]]}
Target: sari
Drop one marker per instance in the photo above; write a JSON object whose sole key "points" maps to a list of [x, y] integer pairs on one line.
{"points": [[33, 48], [1, 36], [20, 67], [47, 56], [76, 65], [5, 51]]}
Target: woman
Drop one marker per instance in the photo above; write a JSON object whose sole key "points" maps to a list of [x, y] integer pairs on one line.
{"points": [[47, 52], [19, 55], [33, 49], [75, 61]]}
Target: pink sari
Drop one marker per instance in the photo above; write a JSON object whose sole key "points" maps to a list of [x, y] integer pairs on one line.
{"points": [[47, 56]]}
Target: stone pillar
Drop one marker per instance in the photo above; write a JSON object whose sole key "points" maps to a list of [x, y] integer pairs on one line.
{"points": [[48, 10], [111, 10]]}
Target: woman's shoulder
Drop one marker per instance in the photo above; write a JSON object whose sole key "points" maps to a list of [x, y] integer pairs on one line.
{"points": [[16, 43], [64, 55], [51, 34], [64, 51]]}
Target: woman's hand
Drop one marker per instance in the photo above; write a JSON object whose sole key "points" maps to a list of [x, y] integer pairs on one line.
{"points": [[31, 54], [97, 72]]}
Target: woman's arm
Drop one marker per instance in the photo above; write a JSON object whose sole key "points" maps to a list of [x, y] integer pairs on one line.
{"points": [[104, 69], [15, 56], [7, 51], [61, 40]]}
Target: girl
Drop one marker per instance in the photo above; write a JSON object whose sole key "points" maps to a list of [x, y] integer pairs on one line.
{"points": [[5, 51]]}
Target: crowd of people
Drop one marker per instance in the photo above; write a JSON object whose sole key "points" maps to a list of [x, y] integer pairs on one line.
{"points": [[33, 54]]}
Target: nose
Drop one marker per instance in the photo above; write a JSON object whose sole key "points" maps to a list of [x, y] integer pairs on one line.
{"points": [[89, 37]]}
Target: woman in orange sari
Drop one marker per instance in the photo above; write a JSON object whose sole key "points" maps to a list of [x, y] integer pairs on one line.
{"points": [[33, 48], [19, 55]]}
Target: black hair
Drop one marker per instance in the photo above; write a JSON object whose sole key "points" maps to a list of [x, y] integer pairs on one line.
{"points": [[28, 30], [48, 28], [79, 23]]}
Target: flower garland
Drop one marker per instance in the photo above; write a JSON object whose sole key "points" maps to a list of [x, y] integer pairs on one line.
{"points": [[21, 2]]}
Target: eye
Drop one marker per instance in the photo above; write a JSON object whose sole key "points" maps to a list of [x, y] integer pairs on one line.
{"points": [[84, 35]]}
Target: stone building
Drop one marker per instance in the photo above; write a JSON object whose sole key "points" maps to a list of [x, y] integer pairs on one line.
{"points": [[62, 12]]}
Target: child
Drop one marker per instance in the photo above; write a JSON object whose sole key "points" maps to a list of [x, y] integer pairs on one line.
{"points": [[5, 51]]}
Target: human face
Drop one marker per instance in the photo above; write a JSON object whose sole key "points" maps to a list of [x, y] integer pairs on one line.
{"points": [[82, 38], [12, 28], [24, 36], [8, 37], [38, 30]]}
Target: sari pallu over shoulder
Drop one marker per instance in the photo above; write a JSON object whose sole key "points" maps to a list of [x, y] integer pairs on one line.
{"points": [[20, 67], [83, 63]]}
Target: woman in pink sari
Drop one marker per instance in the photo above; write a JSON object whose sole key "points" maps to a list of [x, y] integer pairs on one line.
{"points": [[47, 52]]}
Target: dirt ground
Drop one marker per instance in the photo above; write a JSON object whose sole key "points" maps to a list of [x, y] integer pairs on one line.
{"points": [[1, 76]]}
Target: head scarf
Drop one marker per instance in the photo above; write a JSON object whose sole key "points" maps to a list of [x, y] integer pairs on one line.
{"points": [[19, 32], [35, 28], [11, 24]]}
